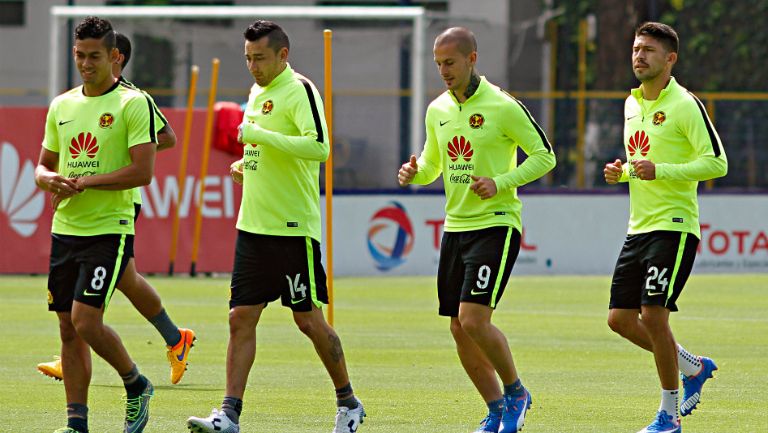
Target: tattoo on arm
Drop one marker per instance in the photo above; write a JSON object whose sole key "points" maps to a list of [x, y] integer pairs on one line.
{"points": [[337, 354], [474, 82]]}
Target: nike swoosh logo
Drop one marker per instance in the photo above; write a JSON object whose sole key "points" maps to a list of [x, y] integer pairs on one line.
{"points": [[184, 350], [478, 293], [443, 123], [655, 294], [296, 302], [65, 122], [85, 293], [631, 117]]}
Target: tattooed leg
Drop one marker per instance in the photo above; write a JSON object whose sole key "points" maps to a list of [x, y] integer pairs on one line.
{"points": [[327, 344]]}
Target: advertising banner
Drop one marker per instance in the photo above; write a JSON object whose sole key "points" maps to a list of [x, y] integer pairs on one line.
{"points": [[395, 234]]}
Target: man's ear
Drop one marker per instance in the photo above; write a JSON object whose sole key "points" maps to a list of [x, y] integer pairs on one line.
{"points": [[672, 58]]}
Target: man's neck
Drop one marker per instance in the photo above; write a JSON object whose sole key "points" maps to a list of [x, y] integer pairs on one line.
{"points": [[463, 94], [652, 89], [99, 89]]}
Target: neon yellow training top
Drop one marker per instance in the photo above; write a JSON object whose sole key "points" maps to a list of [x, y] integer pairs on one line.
{"points": [[675, 133], [284, 126], [160, 122], [480, 137], [92, 135]]}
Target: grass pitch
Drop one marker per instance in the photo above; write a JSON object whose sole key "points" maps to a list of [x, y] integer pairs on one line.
{"points": [[402, 361]]}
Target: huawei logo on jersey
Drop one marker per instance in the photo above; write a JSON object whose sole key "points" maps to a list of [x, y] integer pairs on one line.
{"points": [[83, 143], [460, 147], [638, 143]]}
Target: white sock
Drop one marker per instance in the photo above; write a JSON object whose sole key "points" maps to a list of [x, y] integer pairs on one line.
{"points": [[669, 403], [689, 364]]}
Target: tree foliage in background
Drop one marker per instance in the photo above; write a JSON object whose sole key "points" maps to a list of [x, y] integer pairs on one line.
{"points": [[723, 48], [723, 44]]}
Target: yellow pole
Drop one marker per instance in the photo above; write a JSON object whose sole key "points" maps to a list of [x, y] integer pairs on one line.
{"points": [[580, 104], [204, 165], [711, 112], [552, 32], [180, 181], [328, 67]]}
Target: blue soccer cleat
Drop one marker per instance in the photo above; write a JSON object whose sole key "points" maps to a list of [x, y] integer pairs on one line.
{"points": [[513, 417], [137, 410], [692, 386], [663, 423], [489, 424]]}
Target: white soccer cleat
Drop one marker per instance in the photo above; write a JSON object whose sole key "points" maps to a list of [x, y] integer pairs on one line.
{"points": [[348, 420], [217, 422]]}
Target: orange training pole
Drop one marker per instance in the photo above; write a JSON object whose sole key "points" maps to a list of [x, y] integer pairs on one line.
{"points": [[204, 165], [328, 63], [183, 167]]}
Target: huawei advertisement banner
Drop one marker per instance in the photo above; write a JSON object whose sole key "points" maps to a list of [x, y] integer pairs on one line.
{"points": [[373, 234], [25, 211]]}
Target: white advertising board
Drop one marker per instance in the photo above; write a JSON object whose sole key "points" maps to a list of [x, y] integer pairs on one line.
{"points": [[563, 234]]}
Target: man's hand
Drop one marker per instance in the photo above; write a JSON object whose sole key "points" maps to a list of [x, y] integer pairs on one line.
{"points": [[484, 187], [645, 170], [236, 171], [407, 171], [58, 184], [613, 171], [55, 200]]}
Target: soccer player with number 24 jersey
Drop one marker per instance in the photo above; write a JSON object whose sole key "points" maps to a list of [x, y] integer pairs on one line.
{"points": [[671, 145]]}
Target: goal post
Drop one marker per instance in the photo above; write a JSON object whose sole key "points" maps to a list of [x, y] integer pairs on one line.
{"points": [[415, 14]]}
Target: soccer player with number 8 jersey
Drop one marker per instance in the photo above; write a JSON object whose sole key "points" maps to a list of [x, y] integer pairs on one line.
{"points": [[671, 145], [99, 144]]}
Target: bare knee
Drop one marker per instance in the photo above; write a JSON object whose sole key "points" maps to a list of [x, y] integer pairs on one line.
{"points": [[617, 325], [242, 321], [306, 324], [456, 329], [87, 327], [67, 330], [621, 322], [473, 326], [654, 324]]}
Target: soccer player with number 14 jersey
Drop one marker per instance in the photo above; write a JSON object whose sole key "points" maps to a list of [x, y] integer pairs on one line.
{"points": [[277, 252]]}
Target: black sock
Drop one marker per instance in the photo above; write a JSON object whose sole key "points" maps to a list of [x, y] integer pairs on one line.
{"points": [[167, 328], [134, 387], [232, 407], [77, 417], [345, 397]]}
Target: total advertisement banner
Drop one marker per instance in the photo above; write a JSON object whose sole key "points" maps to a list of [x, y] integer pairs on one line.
{"points": [[393, 234], [563, 234]]}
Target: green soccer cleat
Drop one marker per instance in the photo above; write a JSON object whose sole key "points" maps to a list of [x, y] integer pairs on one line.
{"points": [[137, 410]]}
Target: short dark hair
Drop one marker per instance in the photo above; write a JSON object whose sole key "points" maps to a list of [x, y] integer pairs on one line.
{"points": [[463, 38], [96, 28], [123, 45], [261, 28], [662, 33]]}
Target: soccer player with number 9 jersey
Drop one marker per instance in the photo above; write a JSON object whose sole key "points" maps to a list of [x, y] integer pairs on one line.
{"points": [[473, 132]]}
